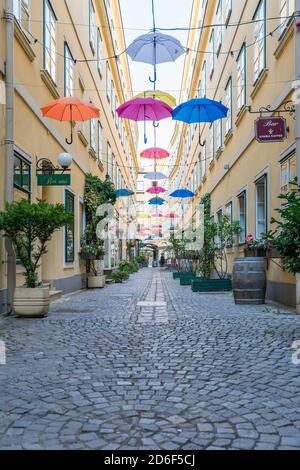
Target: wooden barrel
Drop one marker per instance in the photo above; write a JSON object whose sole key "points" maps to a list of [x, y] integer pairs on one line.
{"points": [[249, 280]]}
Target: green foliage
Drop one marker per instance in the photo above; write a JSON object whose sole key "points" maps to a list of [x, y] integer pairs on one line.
{"points": [[141, 259], [96, 192], [287, 236], [119, 276], [129, 266], [30, 227]]}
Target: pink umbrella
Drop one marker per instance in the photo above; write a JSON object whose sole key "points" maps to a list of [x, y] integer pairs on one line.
{"points": [[144, 109], [156, 226], [155, 153], [157, 215], [172, 216], [156, 190]]}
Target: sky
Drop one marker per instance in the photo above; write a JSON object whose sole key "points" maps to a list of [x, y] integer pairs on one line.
{"points": [[137, 14]]}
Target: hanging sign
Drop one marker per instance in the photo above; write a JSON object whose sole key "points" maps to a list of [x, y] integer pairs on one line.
{"points": [[272, 129], [63, 179]]}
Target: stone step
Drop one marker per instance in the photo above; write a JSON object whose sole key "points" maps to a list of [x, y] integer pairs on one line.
{"points": [[55, 295]]}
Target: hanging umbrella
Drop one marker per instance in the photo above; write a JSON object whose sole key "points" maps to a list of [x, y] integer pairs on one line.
{"points": [[159, 95], [155, 176], [200, 110], [155, 153], [144, 109], [156, 190], [156, 201], [70, 109], [182, 193], [155, 48], [124, 192], [172, 216], [157, 215], [144, 216]]}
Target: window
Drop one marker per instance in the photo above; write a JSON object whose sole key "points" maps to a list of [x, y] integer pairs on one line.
{"points": [[99, 51], [93, 133], [259, 40], [212, 142], [22, 178], [69, 229], [287, 174], [140, 186], [112, 98], [286, 9], [228, 104], [22, 13], [227, 10], [100, 142], [219, 27], [68, 72], [212, 52], [108, 159], [203, 82], [241, 78], [242, 208], [49, 40], [229, 215], [108, 82], [219, 133], [261, 207], [92, 26], [81, 220]]}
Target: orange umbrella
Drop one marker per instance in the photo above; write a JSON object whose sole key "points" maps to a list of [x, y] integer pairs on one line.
{"points": [[70, 109]]}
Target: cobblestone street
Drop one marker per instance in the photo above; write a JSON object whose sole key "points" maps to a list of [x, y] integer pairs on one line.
{"points": [[150, 365]]}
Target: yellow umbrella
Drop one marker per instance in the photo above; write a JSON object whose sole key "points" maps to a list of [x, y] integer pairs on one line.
{"points": [[159, 95], [143, 216]]}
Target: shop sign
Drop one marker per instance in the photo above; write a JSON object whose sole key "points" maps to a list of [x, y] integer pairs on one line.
{"points": [[63, 179], [272, 129]]}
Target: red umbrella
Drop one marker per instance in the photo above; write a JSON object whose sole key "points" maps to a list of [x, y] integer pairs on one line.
{"points": [[70, 109], [155, 153], [172, 216]]}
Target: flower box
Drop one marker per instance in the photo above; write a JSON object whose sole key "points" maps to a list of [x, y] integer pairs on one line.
{"points": [[186, 279], [211, 285]]}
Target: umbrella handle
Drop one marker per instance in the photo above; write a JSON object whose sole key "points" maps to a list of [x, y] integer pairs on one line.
{"points": [[145, 135], [154, 78], [70, 141], [155, 124]]}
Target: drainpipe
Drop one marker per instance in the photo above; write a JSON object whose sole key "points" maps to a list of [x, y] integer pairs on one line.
{"points": [[9, 144]]}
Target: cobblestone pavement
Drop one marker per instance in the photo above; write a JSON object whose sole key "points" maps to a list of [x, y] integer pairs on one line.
{"points": [[150, 365]]}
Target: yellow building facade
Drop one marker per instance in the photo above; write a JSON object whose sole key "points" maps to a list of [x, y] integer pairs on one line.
{"points": [[67, 48], [243, 65]]}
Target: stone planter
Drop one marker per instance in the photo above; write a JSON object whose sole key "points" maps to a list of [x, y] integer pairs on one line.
{"points": [[31, 303], [249, 280], [211, 285], [96, 282]]}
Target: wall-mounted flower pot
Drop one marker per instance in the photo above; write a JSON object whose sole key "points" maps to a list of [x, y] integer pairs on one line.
{"points": [[211, 285], [31, 303], [96, 282]]}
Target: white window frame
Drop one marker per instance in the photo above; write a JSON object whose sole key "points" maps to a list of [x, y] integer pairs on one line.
{"points": [[92, 25], [259, 48], [50, 38], [68, 71], [99, 51], [228, 104], [219, 31], [242, 233], [264, 221], [241, 78], [212, 52]]}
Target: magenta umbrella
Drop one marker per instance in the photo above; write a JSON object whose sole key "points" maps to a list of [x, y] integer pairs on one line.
{"points": [[144, 109], [155, 153], [156, 190]]}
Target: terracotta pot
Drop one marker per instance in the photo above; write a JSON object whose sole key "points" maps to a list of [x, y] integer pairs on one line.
{"points": [[31, 303]]}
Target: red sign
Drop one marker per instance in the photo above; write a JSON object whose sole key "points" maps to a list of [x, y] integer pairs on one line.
{"points": [[270, 129]]}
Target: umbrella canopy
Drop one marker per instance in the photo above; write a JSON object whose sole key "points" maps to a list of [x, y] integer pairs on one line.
{"points": [[156, 190], [144, 109], [159, 95], [155, 176], [70, 109], [157, 215], [172, 216], [156, 201], [182, 193], [156, 226], [155, 153], [124, 192], [200, 110], [155, 48], [143, 216]]}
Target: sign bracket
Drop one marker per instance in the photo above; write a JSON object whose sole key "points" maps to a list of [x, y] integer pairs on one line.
{"points": [[288, 107]]}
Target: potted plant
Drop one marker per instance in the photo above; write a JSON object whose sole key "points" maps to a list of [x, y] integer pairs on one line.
{"points": [[286, 237], [258, 247], [119, 276], [96, 193], [30, 227]]}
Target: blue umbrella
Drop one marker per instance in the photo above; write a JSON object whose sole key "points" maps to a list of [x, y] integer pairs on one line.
{"points": [[182, 193], [124, 192], [200, 110], [155, 48], [156, 201]]}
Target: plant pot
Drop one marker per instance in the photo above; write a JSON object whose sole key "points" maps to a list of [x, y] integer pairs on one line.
{"points": [[87, 256], [249, 280], [31, 303], [186, 279], [96, 282], [211, 285]]}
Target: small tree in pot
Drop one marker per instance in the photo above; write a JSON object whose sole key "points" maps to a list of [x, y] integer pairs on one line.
{"points": [[30, 227]]}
